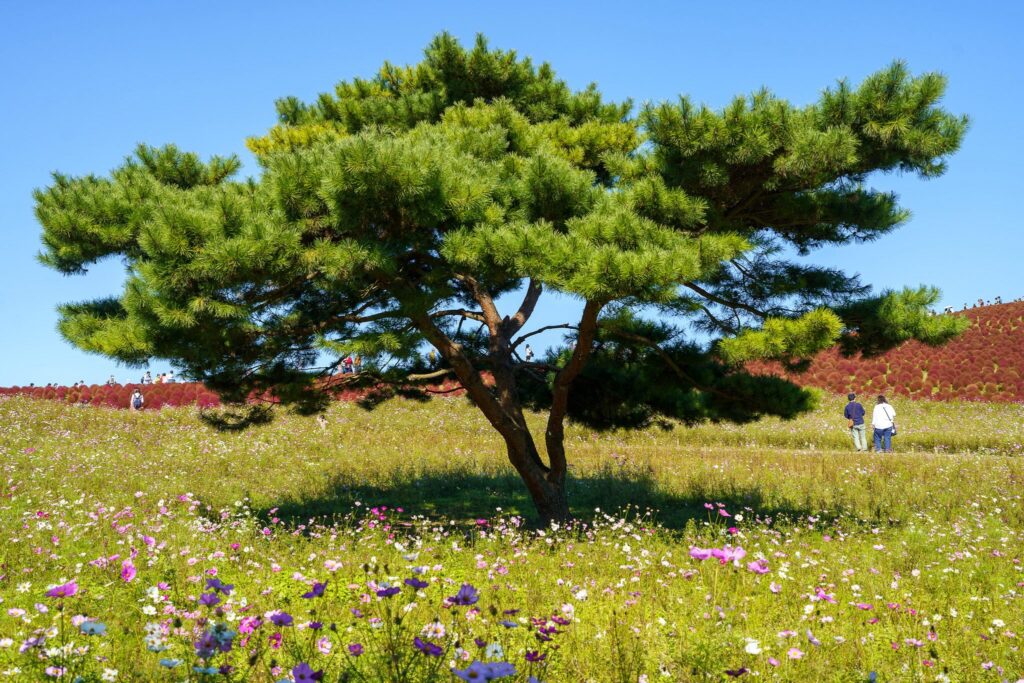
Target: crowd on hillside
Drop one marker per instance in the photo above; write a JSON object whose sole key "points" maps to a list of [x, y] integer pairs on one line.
{"points": [[981, 303]]}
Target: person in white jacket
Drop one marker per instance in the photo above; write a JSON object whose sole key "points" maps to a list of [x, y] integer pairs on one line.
{"points": [[883, 421]]}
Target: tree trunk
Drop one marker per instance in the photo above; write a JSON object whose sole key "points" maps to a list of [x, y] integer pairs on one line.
{"points": [[547, 492]]}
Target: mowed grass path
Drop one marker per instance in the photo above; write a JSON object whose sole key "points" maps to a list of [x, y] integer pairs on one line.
{"points": [[908, 566]]}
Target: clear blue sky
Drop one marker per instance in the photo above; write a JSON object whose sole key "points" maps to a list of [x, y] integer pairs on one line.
{"points": [[83, 83]]}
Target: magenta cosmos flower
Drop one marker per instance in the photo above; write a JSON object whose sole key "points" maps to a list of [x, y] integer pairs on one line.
{"points": [[65, 590]]}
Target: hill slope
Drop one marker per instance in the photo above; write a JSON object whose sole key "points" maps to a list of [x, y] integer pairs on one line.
{"points": [[985, 364]]}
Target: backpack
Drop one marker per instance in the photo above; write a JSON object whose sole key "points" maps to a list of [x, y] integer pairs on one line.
{"points": [[137, 402]]}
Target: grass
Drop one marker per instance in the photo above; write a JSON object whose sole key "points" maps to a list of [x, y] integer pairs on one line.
{"points": [[921, 551]]}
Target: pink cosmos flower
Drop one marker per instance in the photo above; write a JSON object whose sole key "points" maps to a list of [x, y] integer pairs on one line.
{"points": [[822, 595], [758, 566], [700, 553], [63, 591], [127, 571], [794, 653], [773, 661], [865, 606], [775, 587]]}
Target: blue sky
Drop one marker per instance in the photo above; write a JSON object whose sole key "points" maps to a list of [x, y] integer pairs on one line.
{"points": [[83, 83]]}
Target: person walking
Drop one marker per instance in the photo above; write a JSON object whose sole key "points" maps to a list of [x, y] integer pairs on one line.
{"points": [[854, 413], [136, 401], [529, 354], [883, 421]]}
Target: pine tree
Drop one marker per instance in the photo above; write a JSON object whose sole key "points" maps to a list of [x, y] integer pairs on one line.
{"points": [[391, 214]]}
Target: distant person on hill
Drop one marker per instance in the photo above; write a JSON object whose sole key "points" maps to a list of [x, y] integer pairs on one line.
{"points": [[136, 401], [169, 377], [999, 300], [346, 365], [357, 364], [529, 354], [147, 378], [883, 421], [854, 413], [111, 382]]}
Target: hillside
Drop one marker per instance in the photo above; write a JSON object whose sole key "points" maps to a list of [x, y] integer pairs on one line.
{"points": [[985, 364]]}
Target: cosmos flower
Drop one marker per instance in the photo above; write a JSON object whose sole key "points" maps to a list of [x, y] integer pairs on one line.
{"points": [[65, 590], [317, 591], [304, 673], [467, 595], [426, 647]]}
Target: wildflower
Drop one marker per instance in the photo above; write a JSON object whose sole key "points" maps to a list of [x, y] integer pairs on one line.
{"points": [[169, 663], [65, 590], [316, 592], [93, 628], [281, 619], [494, 651], [324, 645], [218, 587], [812, 640], [355, 649], [127, 571], [865, 606], [427, 648], [736, 673], [752, 647], [304, 673], [109, 675], [481, 671], [416, 584], [209, 599], [775, 587], [467, 595], [434, 629], [534, 656], [699, 553], [773, 661], [794, 653], [758, 566], [388, 592]]}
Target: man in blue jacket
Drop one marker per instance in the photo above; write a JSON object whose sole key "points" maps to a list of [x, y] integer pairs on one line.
{"points": [[854, 413]]}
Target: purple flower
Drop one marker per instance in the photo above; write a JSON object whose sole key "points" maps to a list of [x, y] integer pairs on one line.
{"points": [[218, 587], [355, 649], [736, 673], [480, 671], [281, 619], [63, 591], [358, 613], [758, 566], [304, 673], [317, 591], [534, 656], [206, 646], [426, 647], [467, 595], [508, 624], [699, 553], [388, 592], [416, 584], [209, 599], [811, 639]]}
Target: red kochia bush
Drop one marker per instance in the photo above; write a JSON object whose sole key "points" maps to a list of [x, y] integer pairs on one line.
{"points": [[985, 363]]}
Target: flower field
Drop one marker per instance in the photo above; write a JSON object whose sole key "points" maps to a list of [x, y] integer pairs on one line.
{"points": [[985, 364], [395, 545]]}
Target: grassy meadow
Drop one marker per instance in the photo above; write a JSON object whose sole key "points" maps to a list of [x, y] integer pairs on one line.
{"points": [[398, 545]]}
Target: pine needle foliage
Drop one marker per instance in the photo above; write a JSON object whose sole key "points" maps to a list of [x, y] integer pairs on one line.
{"points": [[390, 214]]}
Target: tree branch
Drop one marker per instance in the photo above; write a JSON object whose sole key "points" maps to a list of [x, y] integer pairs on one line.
{"points": [[472, 315], [724, 302], [512, 325], [539, 330]]}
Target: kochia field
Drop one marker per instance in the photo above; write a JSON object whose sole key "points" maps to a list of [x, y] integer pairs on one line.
{"points": [[986, 363]]}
